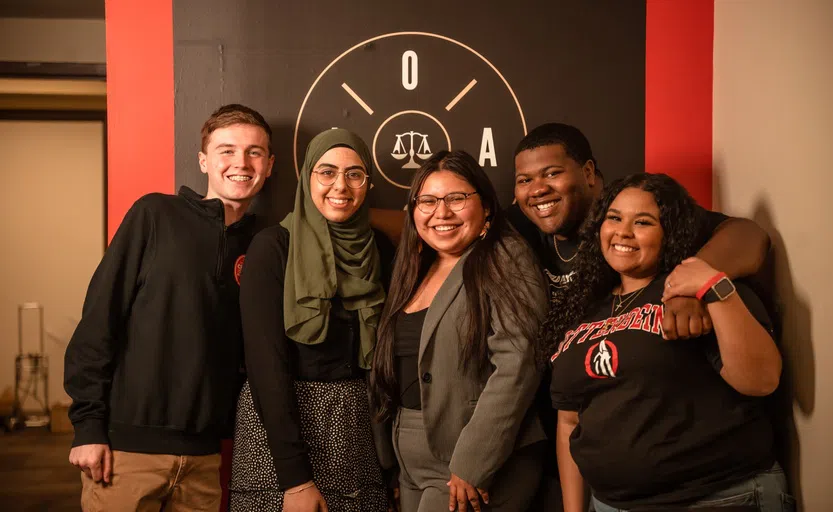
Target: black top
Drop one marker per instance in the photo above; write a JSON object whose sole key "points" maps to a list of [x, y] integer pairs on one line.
{"points": [[658, 425], [336, 358], [154, 365], [406, 334], [274, 361]]}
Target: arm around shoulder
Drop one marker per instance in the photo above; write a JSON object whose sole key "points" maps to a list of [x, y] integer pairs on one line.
{"points": [[738, 247]]}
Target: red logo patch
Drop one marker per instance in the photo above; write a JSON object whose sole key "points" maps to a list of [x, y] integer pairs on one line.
{"points": [[602, 360], [238, 268]]}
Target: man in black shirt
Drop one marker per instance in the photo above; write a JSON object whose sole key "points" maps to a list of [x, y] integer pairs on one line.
{"points": [[556, 182], [153, 367]]}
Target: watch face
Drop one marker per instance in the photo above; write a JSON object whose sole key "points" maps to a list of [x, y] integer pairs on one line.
{"points": [[723, 288], [409, 95]]}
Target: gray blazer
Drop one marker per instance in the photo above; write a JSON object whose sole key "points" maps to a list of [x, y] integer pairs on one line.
{"points": [[476, 424]]}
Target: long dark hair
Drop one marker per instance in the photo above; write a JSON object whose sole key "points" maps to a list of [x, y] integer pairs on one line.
{"points": [[489, 282], [594, 279]]}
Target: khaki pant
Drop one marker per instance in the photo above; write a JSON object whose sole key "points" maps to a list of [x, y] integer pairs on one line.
{"points": [[145, 482]]}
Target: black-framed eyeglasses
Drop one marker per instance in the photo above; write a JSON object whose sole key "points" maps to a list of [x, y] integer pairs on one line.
{"points": [[455, 201], [354, 177]]}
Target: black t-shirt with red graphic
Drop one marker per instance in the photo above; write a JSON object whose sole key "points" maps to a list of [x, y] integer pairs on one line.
{"points": [[559, 272], [658, 425]]}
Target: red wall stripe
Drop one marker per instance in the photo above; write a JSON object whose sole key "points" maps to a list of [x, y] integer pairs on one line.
{"points": [[679, 40], [140, 103], [140, 116]]}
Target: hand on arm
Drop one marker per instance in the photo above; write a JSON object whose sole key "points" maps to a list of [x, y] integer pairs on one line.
{"points": [[572, 483], [751, 361], [685, 317], [738, 247]]}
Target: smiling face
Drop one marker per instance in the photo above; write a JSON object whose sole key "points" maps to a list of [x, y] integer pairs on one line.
{"points": [[237, 162], [337, 202], [553, 190], [446, 231], [631, 235]]}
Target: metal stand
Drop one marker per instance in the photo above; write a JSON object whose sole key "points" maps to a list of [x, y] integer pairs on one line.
{"points": [[31, 376]]}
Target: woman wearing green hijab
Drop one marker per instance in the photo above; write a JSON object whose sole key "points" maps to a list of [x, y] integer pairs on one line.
{"points": [[310, 297]]}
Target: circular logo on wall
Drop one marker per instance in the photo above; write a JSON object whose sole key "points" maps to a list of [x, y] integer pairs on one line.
{"points": [[409, 95]]}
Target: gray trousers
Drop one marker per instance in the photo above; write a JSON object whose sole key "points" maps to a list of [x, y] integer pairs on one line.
{"points": [[423, 477]]}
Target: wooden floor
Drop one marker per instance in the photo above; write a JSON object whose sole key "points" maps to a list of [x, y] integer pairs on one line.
{"points": [[35, 475]]}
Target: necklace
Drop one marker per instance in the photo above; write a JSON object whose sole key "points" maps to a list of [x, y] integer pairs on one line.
{"points": [[623, 297], [625, 302], [555, 242]]}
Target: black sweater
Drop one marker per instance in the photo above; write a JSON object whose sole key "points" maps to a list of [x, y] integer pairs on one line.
{"points": [[154, 366]]}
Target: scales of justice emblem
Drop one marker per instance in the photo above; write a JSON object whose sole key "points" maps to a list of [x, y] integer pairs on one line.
{"points": [[423, 152], [410, 95]]}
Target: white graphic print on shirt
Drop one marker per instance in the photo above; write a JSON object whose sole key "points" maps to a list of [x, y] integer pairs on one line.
{"points": [[647, 317]]}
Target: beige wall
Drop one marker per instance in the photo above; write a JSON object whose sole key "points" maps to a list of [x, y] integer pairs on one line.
{"points": [[52, 94], [48, 40], [773, 149], [53, 233]]}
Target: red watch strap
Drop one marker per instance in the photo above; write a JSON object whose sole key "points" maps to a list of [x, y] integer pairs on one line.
{"points": [[711, 282]]}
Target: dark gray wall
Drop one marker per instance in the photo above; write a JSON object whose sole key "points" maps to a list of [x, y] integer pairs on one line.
{"points": [[571, 61]]}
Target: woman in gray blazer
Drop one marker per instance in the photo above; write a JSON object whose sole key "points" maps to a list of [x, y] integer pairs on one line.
{"points": [[454, 369]]}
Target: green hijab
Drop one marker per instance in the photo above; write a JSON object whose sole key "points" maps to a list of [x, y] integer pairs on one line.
{"points": [[331, 258]]}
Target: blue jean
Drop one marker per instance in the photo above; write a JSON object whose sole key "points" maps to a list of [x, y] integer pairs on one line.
{"points": [[766, 491]]}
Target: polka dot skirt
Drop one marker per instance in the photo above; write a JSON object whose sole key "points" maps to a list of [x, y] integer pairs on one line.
{"points": [[335, 423]]}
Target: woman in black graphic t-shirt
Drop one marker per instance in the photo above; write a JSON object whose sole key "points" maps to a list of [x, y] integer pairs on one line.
{"points": [[652, 423]]}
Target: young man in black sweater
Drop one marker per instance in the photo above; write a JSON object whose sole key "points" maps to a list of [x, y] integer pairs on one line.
{"points": [[153, 367]]}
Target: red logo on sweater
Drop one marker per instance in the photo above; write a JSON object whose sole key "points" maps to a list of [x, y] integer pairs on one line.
{"points": [[602, 360], [238, 268]]}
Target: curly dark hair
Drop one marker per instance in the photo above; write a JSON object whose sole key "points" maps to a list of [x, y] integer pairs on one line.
{"points": [[594, 279]]}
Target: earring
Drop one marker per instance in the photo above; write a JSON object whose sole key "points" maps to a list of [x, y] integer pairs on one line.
{"points": [[485, 230]]}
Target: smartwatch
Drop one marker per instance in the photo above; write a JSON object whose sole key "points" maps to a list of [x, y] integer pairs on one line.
{"points": [[721, 290]]}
